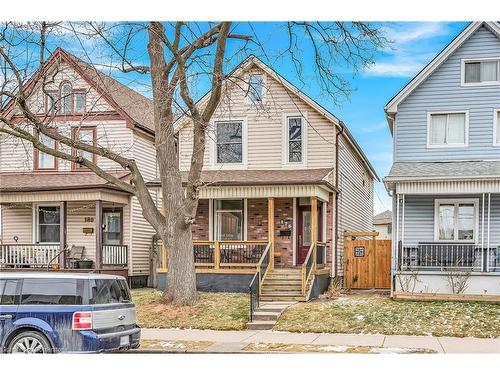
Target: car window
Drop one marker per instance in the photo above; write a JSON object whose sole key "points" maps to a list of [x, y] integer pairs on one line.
{"points": [[108, 291], [52, 291], [8, 292]]}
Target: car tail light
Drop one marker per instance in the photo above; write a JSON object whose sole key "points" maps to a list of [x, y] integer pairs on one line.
{"points": [[82, 320]]}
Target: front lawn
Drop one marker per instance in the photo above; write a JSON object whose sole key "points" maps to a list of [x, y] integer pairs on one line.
{"points": [[221, 311], [379, 314]]}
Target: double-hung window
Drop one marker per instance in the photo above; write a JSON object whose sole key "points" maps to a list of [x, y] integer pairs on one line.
{"points": [[448, 129], [483, 71], [456, 220], [66, 98], [229, 142]]}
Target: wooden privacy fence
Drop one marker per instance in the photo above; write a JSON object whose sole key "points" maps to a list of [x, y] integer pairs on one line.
{"points": [[367, 261]]}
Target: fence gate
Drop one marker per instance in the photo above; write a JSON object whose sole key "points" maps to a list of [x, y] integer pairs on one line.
{"points": [[367, 262]]}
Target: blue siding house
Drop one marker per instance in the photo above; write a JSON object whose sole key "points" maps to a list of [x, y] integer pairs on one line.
{"points": [[445, 179]]}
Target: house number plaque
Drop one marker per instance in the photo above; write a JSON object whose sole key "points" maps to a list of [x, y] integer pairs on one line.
{"points": [[359, 251]]}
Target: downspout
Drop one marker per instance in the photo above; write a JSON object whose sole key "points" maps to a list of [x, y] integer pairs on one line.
{"points": [[336, 237]]}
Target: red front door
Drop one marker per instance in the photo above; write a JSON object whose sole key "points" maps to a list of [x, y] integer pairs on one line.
{"points": [[303, 233]]}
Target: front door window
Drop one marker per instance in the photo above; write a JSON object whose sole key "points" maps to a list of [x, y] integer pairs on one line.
{"points": [[48, 220], [112, 231], [306, 228]]}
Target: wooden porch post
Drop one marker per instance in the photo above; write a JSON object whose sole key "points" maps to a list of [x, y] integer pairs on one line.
{"points": [[98, 234], [63, 213], [270, 229], [314, 226]]}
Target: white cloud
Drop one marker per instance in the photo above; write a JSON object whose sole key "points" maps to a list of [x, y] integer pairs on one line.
{"points": [[374, 128], [411, 50]]}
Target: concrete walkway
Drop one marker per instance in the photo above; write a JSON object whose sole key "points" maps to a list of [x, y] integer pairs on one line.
{"points": [[234, 341]]}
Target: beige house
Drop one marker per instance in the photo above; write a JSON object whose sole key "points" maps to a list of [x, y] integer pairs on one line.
{"points": [[48, 204], [283, 179], [382, 223]]}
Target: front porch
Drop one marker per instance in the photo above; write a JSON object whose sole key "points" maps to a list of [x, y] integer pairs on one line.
{"points": [[446, 244], [239, 241], [40, 233]]}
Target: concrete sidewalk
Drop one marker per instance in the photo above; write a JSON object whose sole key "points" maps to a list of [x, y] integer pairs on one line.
{"points": [[234, 341]]}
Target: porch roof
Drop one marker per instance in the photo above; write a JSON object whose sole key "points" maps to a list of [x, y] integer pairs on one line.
{"points": [[453, 170], [268, 177], [36, 181]]}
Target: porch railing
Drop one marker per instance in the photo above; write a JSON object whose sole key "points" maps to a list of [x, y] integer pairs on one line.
{"points": [[223, 254], [320, 253], [308, 266], [114, 255], [447, 256], [27, 255]]}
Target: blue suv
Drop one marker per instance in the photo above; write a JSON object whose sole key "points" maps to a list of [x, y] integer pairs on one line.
{"points": [[44, 312]]}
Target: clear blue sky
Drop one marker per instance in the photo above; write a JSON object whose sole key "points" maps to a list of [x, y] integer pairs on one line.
{"points": [[415, 44]]}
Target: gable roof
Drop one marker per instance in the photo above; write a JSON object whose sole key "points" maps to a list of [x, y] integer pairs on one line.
{"points": [[383, 218], [392, 106], [254, 60], [134, 107]]}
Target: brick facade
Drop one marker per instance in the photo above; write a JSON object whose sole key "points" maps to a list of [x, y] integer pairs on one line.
{"points": [[200, 227], [257, 225]]}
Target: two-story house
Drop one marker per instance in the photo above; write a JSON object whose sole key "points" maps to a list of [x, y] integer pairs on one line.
{"points": [[49, 204], [283, 178], [445, 180]]}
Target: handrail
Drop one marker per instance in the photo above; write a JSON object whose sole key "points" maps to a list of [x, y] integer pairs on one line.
{"points": [[305, 273], [254, 294], [57, 256], [262, 275]]}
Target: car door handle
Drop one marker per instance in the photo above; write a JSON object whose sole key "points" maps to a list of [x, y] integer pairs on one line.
{"points": [[5, 316]]}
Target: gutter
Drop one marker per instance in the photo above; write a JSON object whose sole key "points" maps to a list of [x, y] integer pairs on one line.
{"points": [[336, 237]]}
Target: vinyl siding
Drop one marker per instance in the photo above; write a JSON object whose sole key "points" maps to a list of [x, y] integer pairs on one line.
{"points": [[442, 91], [17, 220], [77, 211], [141, 237], [265, 129], [419, 218], [355, 198], [144, 152]]}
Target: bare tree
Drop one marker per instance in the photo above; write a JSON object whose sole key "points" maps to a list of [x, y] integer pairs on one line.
{"points": [[177, 52]]}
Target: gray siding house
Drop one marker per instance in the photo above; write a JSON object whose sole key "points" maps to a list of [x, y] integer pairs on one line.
{"points": [[445, 180]]}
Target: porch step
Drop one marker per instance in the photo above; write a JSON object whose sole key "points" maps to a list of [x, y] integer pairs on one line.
{"points": [[270, 288], [261, 325], [260, 315], [287, 298]]}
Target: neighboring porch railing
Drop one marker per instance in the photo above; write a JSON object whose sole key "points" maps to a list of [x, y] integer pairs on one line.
{"points": [[114, 255], [448, 256], [27, 255]]}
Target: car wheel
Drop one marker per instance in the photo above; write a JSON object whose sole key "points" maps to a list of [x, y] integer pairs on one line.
{"points": [[29, 342]]}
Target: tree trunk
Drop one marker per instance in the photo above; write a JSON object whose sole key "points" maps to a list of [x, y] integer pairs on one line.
{"points": [[181, 277]]}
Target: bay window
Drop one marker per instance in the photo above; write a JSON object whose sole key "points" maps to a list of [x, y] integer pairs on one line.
{"points": [[42, 160], [447, 129], [456, 220], [85, 135], [228, 220]]}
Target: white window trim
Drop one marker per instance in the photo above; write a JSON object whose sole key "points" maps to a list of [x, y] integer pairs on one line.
{"points": [[285, 135], [36, 231], [212, 222], [487, 83], [248, 100], [213, 145], [496, 126], [451, 145], [438, 202]]}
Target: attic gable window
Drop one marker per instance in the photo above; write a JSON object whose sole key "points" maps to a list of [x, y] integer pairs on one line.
{"points": [[66, 101], [256, 88], [485, 71], [66, 98]]}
